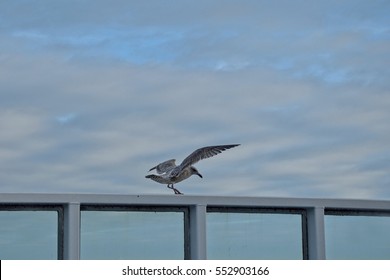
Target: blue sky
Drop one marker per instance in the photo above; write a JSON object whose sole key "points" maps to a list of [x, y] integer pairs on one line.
{"points": [[95, 93]]}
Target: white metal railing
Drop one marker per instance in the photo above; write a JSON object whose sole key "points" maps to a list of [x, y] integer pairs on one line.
{"points": [[314, 209]]}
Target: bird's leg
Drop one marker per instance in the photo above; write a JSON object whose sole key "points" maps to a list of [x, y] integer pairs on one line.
{"points": [[176, 191], [170, 186]]}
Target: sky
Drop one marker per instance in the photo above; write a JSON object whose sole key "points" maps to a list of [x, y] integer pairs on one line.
{"points": [[95, 93]]}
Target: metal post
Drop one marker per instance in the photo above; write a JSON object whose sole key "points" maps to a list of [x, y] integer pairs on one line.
{"points": [[72, 231], [316, 233], [198, 232]]}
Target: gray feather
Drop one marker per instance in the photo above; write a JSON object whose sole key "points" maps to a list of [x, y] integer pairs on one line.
{"points": [[203, 153], [164, 166]]}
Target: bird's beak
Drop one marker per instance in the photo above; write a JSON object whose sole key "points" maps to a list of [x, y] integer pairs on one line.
{"points": [[200, 175]]}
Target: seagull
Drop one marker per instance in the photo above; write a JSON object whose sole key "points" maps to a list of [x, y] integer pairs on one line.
{"points": [[170, 173]]}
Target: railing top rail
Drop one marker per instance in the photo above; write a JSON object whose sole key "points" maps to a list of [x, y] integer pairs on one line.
{"points": [[188, 200]]}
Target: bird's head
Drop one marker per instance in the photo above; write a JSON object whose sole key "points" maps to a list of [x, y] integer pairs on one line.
{"points": [[194, 171]]}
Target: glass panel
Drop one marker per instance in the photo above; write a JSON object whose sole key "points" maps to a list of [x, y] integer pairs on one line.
{"points": [[254, 236], [357, 237], [28, 235], [132, 235]]}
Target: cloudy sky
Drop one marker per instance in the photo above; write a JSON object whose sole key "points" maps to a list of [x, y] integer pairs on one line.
{"points": [[95, 93]]}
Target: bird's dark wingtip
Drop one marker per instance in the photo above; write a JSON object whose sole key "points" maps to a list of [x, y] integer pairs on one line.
{"points": [[232, 145]]}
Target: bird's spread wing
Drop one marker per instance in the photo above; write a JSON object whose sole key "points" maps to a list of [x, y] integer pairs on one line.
{"points": [[164, 166], [203, 153], [157, 178]]}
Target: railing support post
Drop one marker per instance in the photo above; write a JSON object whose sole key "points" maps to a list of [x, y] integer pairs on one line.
{"points": [[198, 232], [316, 233], [72, 231]]}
